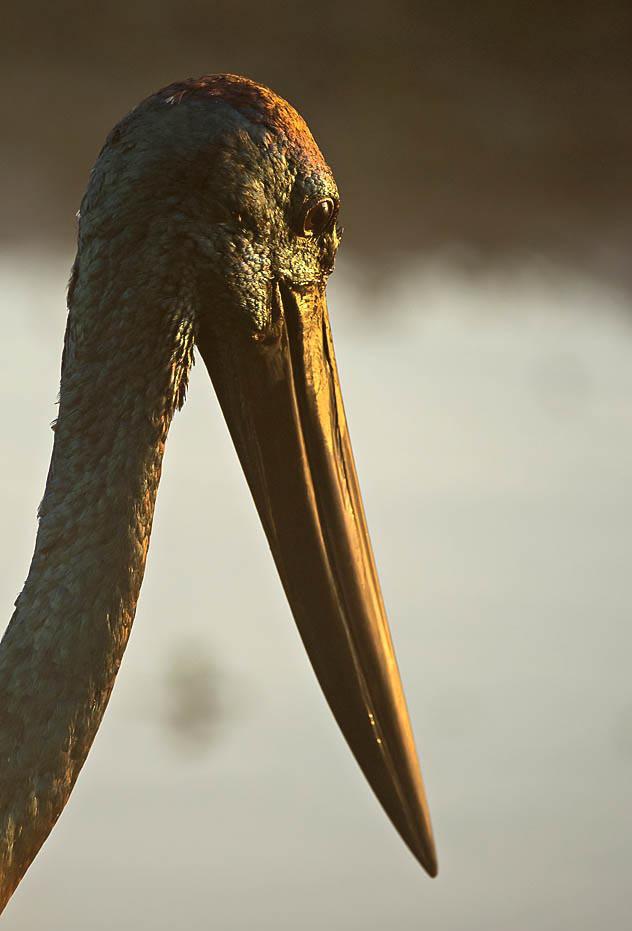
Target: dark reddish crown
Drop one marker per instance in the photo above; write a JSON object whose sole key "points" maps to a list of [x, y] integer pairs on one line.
{"points": [[258, 103]]}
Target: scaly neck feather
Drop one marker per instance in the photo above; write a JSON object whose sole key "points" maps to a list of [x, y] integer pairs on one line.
{"points": [[127, 353]]}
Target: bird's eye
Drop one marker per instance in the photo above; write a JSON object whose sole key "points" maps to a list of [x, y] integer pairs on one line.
{"points": [[318, 217]]}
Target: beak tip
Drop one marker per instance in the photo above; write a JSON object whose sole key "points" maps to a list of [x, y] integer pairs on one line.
{"points": [[431, 867], [426, 855]]}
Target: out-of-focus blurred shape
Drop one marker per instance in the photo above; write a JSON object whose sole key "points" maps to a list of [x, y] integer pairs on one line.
{"points": [[193, 690]]}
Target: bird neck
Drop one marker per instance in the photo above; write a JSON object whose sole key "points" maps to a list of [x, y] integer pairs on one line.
{"points": [[127, 354]]}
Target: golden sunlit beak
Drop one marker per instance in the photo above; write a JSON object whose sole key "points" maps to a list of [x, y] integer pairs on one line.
{"points": [[281, 398]]}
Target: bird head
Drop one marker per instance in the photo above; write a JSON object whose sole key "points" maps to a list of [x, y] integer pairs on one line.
{"points": [[223, 185], [225, 168]]}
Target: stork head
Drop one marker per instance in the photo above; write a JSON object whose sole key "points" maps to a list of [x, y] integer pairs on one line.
{"points": [[226, 167], [226, 179]]}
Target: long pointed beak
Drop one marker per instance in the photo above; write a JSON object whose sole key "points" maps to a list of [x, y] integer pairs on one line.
{"points": [[281, 398]]}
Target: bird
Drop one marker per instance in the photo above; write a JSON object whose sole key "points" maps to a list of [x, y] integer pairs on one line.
{"points": [[210, 223]]}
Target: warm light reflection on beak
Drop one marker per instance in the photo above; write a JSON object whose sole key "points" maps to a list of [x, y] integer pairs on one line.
{"points": [[281, 398]]}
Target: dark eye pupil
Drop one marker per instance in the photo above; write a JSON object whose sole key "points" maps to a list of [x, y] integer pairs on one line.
{"points": [[318, 216]]}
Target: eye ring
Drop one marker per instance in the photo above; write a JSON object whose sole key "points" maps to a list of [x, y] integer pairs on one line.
{"points": [[318, 216]]}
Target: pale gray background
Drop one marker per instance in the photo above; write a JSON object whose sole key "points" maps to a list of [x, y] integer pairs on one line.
{"points": [[491, 419]]}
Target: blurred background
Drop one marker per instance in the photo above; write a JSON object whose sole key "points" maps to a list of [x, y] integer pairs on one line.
{"points": [[481, 309]]}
